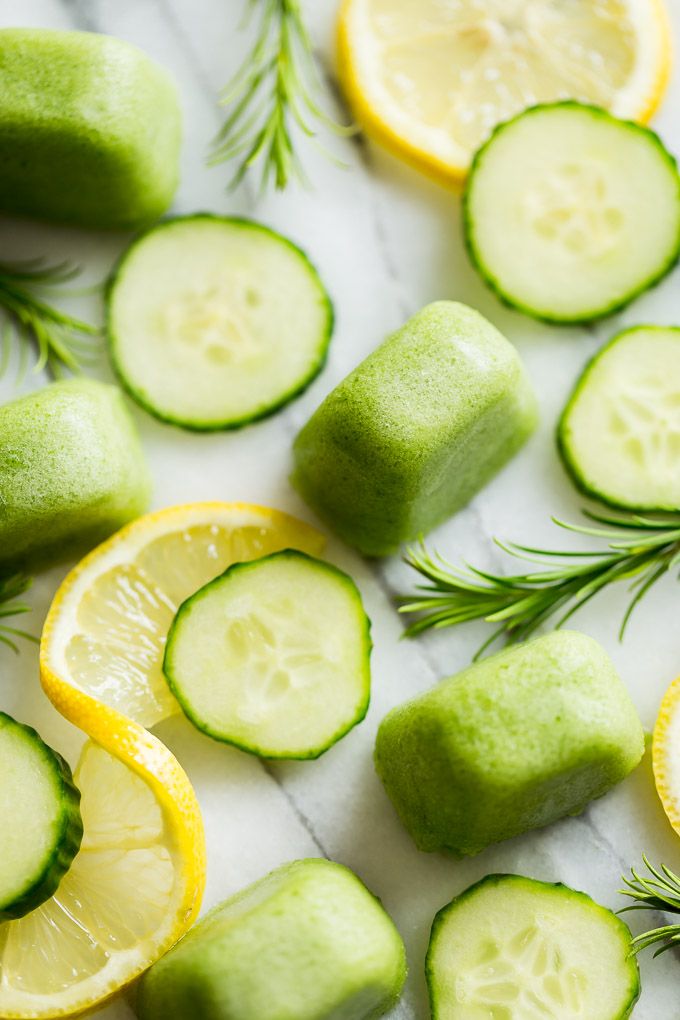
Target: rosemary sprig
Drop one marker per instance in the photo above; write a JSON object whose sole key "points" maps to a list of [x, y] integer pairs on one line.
{"points": [[10, 589], [61, 339], [661, 891], [271, 93], [639, 548]]}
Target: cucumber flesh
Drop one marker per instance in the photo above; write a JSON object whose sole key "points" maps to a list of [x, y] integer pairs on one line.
{"points": [[512, 948], [619, 435], [570, 213], [273, 656], [215, 322], [42, 828]]}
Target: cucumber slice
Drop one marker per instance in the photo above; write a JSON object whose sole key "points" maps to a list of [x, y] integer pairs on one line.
{"points": [[273, 656], [619, 434], [570, 213], [215, 322], [512, 948], [42, 828]]}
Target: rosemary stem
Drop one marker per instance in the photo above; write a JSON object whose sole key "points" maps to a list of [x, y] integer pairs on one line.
{"points": [[271, 94], [59, 337], [640, 550]]}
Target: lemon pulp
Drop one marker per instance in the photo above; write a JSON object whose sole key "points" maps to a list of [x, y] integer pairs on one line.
{"points": [[433, 78], [113, 908]]}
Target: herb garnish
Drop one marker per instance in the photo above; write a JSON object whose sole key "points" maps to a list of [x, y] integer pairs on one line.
{"points": [[61, 339], [271, 94], [638, 548], [660, 891], [10, 590]]}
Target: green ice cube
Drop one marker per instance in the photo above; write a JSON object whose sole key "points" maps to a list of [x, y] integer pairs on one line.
{"points": [[411, 435], [512, 743], [72, 471], [308, 942], [89, 129]]}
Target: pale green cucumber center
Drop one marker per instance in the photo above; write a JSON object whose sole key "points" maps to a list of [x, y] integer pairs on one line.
{"points": [[214, 324], [525, 975], [623, 427], [30, 809], [274, 658], [574, 210]]}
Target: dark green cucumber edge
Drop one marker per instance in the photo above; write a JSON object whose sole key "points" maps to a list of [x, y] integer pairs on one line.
{"points": [[249, 748], [502, 879], [46, 883], [228, 424], [468, 225], [570, 464]]}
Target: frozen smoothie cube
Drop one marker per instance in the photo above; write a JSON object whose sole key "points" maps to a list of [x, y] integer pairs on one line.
{"points": [[308, 942], [416, 430], [72, 471], [510, 744], [89, 129]]}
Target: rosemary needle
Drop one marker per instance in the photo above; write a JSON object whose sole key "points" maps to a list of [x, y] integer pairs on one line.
{"points": [[10, 589], [61, 339], [639, 549], [270, 96], [658, 891]]}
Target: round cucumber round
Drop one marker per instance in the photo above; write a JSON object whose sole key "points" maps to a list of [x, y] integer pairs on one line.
{"points": [[569, 213], [42, 828], [514, 948], [215, 322], [273, 656], [619, 435]]}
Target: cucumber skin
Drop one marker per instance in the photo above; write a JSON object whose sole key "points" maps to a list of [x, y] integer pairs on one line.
{"points": [[70, 833], [500, 879], [260, 752], [493, 283], [568, 461], [228, 425]]}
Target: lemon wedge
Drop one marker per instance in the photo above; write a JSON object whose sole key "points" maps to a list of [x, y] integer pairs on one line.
{"points": [[131, 892], [105, 634], [666, 753], [430, 79]]}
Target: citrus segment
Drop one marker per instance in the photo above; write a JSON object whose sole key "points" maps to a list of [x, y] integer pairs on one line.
{"points": [[431, 79]]}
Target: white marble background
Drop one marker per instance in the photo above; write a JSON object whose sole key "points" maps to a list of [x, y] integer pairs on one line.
{"points": [[386, 242]]}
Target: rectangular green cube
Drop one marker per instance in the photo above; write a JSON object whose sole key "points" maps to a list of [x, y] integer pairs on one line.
{"points": [[411, 435], [307, 942], [89, 129], [510, 744], [72, 471]]}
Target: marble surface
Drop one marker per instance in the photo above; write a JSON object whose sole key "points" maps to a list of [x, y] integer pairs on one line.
{"points": [[386, 242]]}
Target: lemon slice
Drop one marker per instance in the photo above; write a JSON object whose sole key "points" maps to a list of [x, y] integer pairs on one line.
{"points": [[137, 883], [132, 891], [430, 79], [104, 637], [666, 753]]}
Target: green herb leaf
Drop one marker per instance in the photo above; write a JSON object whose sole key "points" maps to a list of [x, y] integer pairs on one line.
{"points": [[10, 590], [271, 94], [637, 549], [62, 339], [660, 890]]}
